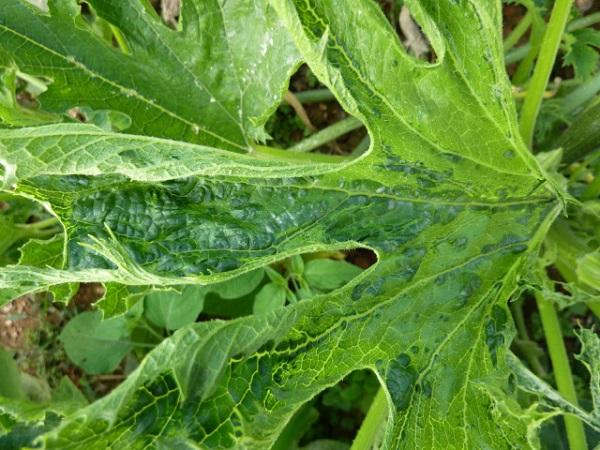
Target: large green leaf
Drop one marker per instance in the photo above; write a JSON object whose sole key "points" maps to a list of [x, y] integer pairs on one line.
{"points": [[214, 81], [448, 197]]}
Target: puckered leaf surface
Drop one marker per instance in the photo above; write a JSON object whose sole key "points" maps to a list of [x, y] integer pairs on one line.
{"points": [[448, 197], [214, 81]]}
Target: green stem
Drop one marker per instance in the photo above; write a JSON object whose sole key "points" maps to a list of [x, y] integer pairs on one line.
{"points": [[562, 371], [369, 429], [362, 146], [581, 94], [584, 22], [524, 343], [516, 54], [51, 221], [518, 32], [543, 68], [549, 317], [42, 233], [538, 27], [528, 350], [517, 310], [326, 135], [262, 151], [120, 39], [315, 96], [569, 246], [521, 52]]}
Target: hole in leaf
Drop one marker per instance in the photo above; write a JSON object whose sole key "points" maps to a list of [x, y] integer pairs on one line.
{"points": [[309, 108], [106, 119], [361, 257], [106, 31], [20, 90], [286, 282], [410, 33], [333, 418], [169, 11], [87, 295], [28, 229]]}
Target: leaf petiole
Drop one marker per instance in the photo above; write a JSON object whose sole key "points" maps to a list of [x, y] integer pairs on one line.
{"points": [[562, 371], [326, 135], [314, 96], [51, 221], [543, 68], [371, 426], [518, 32]]}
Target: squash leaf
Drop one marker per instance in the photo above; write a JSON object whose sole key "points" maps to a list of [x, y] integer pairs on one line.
{"points": [[447, 196]]}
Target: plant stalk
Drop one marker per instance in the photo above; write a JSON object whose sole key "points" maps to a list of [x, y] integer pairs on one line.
{"points": [[562, 371], [362, 146], [538, 27], [550, 323], [369, 429], [584, 22], [296, 105], [526, 349], [517, 54], [518, 32], [49, 222], [314, 96], [581, 94], [326, 135], [120, 40], [543, 68], [524, 342], [263, 151]]}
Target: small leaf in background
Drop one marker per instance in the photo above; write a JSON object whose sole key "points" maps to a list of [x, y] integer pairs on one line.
{"points": [[297, 265], [67, 392], [239, 286], [36, 389], [581, 48], [304, 294], [328, 274], [10, 379], [95, 345], [172, 310], [270, 297]]}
